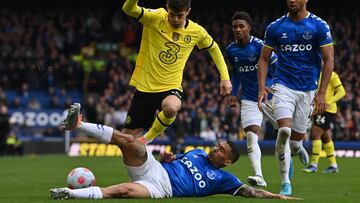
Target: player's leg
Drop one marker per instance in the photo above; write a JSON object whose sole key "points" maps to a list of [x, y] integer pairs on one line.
{"points": [[170, 105], [251, 119], [283, 103], [123, 190], [134, 152], [254, 153], [330, 152], [301, 121], [297, 148], [140, 114], [316, 132], [283, 154], [126, 190]]}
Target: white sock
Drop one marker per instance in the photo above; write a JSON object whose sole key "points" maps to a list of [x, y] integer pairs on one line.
{"points": [[87, 193], [295, 146], [254, 152], [99, 131], [283, 154]]}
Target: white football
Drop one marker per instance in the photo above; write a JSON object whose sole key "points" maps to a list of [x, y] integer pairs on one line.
{"points": [[80, 178]]}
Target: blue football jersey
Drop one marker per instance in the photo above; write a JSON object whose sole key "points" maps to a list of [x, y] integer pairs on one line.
{"points": [[297, 45], [192, 175], [244, 68]]}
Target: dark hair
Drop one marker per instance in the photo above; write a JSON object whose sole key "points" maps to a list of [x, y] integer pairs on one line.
{"points": [[179, 5], [235, 150], [241, 15]]}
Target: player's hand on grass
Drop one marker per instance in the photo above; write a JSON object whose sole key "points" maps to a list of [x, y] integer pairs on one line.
{"points": [[262, 97], [225, 87], [167, 157]]}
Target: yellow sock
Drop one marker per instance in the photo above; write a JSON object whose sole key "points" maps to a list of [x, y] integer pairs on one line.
{"points": [[160, 124], [330, 153], [316, 149]]}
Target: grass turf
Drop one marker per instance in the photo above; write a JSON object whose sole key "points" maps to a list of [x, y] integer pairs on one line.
{"points": [[29, 178]]}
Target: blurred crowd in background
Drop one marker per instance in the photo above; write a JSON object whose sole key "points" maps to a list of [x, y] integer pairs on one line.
{"points": [[50, 53]]}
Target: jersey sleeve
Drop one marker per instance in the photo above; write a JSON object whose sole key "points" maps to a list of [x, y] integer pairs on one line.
{"points": [[335, 80], [269, 38], [205, 40], [148, 16], [229, 184], [235, 77], [235, 81], [273, 58], [228, 56], [324, 34]]}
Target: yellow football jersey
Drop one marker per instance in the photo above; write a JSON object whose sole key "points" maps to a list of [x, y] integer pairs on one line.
{"points": [[332, 89], [164, 51]]}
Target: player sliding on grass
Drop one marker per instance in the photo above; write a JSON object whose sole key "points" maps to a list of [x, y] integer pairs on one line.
{"points": [[192, 174]]}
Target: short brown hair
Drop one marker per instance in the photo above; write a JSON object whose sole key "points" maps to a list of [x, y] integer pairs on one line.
{"points": [[179, 5], [235, 150], [241, 15]]}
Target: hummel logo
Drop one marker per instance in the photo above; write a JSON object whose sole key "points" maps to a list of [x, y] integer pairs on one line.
{"points": [[284, 35]]}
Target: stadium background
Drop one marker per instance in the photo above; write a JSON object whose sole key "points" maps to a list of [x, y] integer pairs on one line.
{"points": [[54, 53]]}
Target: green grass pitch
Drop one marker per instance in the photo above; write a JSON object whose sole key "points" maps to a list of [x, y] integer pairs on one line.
{"points": [[29, 178]]}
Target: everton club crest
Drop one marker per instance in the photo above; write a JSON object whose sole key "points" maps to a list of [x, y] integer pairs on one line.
{"points": [[307, 35]]}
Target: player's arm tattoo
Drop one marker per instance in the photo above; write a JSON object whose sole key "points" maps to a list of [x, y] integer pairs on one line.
{"points": [[250, 192]]}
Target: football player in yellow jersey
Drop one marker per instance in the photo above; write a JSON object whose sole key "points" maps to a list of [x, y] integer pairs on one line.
{"points": [[320, 132], [168, 38]]}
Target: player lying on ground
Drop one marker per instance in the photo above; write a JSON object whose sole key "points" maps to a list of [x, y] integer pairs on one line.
{"points": [[192, 174]]}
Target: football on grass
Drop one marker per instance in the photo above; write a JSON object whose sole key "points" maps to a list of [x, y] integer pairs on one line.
{"points": [[80, 178]]}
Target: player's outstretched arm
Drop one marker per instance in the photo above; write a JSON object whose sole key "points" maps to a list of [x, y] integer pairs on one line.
{"points": [[250, 192], [225, 84], [263, 64], [327, 53], [131, 8]]}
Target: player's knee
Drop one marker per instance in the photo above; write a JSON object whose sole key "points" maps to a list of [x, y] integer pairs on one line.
{"points": [[284, 132], [170, 111], [283, 135], [115, 191], [170, 106], [120, 138], [325, 139], [253, 128], [251, 138], [120, 191]]}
